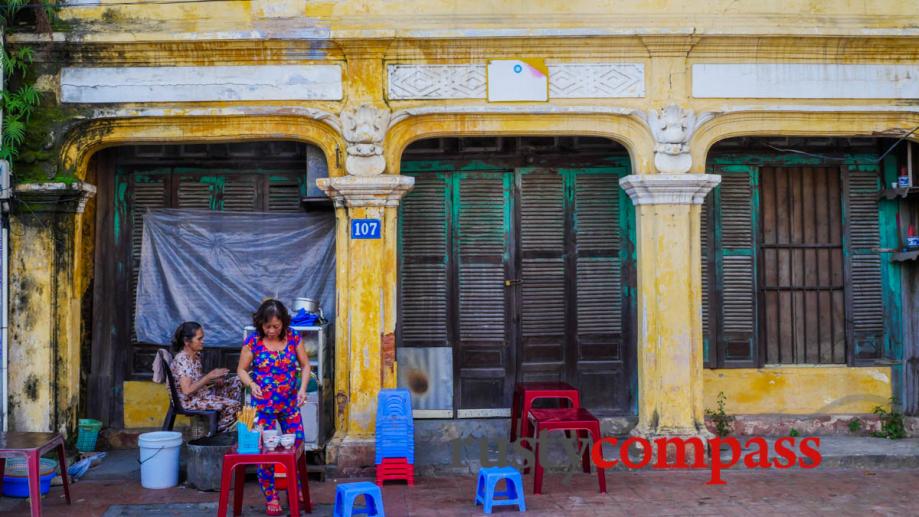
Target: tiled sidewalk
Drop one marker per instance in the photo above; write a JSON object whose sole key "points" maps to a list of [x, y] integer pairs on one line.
{"points": [[823, 491]]}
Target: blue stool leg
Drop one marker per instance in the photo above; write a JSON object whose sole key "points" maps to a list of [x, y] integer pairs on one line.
{"points": [[480, 490], [349, 506], [517, 483], [489, 494], [336, 512], [376, 499]]}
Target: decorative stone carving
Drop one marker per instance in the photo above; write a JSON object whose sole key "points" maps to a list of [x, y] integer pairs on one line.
{"points": [[363, 191], [596, 80], [364, 128], [669, 189], [672, 128], [566, 81], [436, 82]]}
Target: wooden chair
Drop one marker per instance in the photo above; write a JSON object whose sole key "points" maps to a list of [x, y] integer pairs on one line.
{"points": [[175, 408]]}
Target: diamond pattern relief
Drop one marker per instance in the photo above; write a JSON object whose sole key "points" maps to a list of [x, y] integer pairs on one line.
{"points": [[596, 80], [566, 81], [436, 81]]}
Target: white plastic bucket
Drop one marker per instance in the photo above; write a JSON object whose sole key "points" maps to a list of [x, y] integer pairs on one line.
{"points": [[159, 459]]}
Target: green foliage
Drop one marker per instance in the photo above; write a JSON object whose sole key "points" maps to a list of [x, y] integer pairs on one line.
{"points": [[794, 433], [892, 425], [724, 422], [17, 103], [855, 425]]}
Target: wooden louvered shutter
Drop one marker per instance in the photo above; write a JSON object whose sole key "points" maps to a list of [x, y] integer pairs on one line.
{"points": [[706, 232], [736, 270], [424, 263], [599, 367], [543, 263], [149, 191], [284, 194], [866, 304], [483, 205], [194, 192], [238, 193]]}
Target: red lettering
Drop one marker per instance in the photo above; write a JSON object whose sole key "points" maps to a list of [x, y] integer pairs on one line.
{"points": [[782, 450], [680, 456], [716, 465], [809, 453], [762, 451], [596, 453], [645, 452]]}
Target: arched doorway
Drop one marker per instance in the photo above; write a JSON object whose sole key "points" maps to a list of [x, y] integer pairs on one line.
{"points": [[516, 264]]}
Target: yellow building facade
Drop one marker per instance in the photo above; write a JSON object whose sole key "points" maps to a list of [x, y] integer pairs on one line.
{"points": [[364, 80]]}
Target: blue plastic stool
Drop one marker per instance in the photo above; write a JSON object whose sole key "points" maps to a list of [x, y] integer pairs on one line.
{"points": [[346, 493], [489, 477]]}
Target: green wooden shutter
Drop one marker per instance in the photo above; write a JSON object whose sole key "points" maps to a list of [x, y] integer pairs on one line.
{"points": [[284, 193], [196, 192], [483, 204], [239, 193], [542, 290], [736, 264], [424, 263], [148, 191], [866, 305], [706, 231], [598, 227]]}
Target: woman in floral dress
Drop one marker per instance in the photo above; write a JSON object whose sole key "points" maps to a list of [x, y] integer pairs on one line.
{"points": [[198, 391], [274, 353]]}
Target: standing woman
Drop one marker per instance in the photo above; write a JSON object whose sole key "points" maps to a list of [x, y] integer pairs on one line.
{"points": [[273, 354]]}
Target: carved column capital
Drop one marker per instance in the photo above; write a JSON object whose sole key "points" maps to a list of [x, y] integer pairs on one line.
{"points": [[669, 189], [672, 127], [366, 191], [364, 128]]}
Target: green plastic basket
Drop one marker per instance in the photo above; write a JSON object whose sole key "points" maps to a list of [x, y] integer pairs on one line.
{"points": [[88, 433]]}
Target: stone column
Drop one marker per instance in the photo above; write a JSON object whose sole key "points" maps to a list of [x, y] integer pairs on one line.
{"points": [[669, 277], [46, 239], [367, 352]]}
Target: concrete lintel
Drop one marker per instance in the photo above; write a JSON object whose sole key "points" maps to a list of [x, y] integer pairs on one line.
{"points": [[54, 197], [669, 189], [366, 191]]}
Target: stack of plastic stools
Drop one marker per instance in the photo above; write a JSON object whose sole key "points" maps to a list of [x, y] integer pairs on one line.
{"points": [[347, 493], [489, 477], [395, 429]]}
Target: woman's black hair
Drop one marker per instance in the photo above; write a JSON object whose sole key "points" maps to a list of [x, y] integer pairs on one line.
{"points": [[186, 331], [271, 309]]}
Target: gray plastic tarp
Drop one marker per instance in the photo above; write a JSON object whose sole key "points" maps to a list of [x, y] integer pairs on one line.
{"points": [[217, 267]]}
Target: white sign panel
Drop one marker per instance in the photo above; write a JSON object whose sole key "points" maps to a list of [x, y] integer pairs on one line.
{"points": [[515, 80], [201, 83], [804, 81]]}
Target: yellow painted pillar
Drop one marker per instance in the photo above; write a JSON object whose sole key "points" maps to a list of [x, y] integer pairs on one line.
{"points": [[669, 278], [367, 352]]}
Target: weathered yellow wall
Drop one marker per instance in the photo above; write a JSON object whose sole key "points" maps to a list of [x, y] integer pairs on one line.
{"points": [[145, 405], [800, 390], [386, 18], [31, 357]]}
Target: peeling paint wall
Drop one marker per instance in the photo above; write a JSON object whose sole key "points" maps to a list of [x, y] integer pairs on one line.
{"points": [[145, 405], [799, 390]]}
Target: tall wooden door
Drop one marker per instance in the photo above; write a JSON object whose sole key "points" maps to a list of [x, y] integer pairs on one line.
{"points": [[520, 272]]}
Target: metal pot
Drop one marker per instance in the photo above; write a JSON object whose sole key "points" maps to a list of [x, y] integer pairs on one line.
{"points": [[308, 304]]}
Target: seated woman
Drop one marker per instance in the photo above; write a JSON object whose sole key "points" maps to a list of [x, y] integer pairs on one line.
{"points": [[196, 390]]}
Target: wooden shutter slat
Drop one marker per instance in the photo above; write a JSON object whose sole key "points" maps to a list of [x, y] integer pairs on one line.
{"points": [[599, 292], [284, 197], [193, 193], [239, 194], [866, 295], [482, 243], [148, 192], [424, 265], [736, 278], [705, 229], [597, 205]]}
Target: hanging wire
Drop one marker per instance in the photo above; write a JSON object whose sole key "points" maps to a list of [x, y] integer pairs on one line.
{"points": [[840, 159]]}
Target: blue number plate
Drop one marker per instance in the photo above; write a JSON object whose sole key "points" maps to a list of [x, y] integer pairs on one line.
{"points": [[365, 228]]}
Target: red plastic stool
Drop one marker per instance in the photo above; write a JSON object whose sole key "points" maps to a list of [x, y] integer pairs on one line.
{"points": [[294, 461], [394, 469], [568, 419]]}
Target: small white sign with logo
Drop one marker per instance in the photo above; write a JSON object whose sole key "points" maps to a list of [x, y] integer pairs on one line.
{"points": [[518, 80]]}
